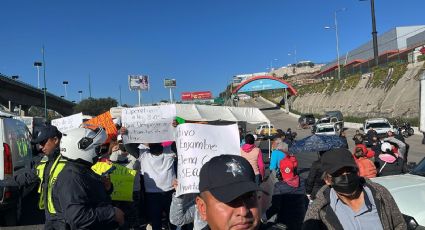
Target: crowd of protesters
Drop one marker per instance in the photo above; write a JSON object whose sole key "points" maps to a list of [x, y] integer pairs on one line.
{"points": [[232, 188]]}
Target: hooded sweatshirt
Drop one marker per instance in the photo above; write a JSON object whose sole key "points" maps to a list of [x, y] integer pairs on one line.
{"points": [[254, 157]]}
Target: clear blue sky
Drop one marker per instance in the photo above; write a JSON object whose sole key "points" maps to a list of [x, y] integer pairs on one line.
{"points": [[200, 43]]}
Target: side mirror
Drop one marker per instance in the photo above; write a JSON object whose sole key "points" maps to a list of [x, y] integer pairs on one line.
{"points": [[361, 128]]}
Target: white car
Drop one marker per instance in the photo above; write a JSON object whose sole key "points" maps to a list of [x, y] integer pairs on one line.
{"points": [[380, 125], [408, 191], [326, 129]]}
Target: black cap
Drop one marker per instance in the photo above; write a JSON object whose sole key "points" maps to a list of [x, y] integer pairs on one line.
{"points": [[45, 133], [337, 158], [227, 177]]}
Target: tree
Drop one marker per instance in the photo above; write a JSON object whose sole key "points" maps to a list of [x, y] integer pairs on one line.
{"points": [[94, 107]]}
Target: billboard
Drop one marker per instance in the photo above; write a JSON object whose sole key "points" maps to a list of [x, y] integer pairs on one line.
{"points": [[138, 82], [262, 84], [201, 95], [170, 83]]}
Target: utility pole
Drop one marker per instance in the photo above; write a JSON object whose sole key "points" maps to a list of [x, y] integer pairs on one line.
{"points": [[374, 33], [89, 87], [45, 87]]}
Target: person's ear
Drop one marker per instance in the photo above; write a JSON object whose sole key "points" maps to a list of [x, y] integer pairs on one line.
{"points": [[328, 179], [56, 140], [202, 208]]}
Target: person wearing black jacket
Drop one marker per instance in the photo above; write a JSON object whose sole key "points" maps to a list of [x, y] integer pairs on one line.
{"points": [[80, 197], [314, 180]]}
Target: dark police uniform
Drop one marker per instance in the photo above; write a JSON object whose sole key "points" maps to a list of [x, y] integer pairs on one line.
{"points": [[80, 199]]}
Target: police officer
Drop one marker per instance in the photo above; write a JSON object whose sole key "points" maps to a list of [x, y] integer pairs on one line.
{"points": [[77, 195], [48, 139]]}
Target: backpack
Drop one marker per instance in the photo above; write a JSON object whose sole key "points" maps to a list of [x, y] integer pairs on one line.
{"points": [[288, 167]]}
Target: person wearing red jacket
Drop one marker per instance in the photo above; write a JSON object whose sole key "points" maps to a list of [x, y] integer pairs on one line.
{"points": [[366, 167]]}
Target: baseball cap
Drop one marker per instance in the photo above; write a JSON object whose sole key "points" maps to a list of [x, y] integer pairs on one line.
{"points": [[227, 177], [45, 133], [337, 158]]}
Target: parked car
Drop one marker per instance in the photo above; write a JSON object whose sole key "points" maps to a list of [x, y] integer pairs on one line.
{"points": [[15, 156], [380, 125], [307, 119], [263, 130], [329, 120], [408, 191], [326, 129], [338, 116]]}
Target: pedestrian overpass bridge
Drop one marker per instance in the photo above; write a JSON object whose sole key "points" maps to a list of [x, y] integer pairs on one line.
{"points": [[18, 93]]}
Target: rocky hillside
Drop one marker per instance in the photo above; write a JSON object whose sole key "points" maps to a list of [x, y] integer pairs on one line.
{"points": [[386, 92]]}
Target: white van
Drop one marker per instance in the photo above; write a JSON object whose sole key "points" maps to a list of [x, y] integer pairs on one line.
{"points": [[15, 155]]}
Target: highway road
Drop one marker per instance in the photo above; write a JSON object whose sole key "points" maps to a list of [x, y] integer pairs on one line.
{"points": [[283, 121]]}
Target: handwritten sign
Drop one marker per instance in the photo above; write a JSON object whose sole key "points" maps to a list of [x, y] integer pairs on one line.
{"points": [[196, 145], [116, 111], [105, 120], [149, 124], [67, 123], [122, 179]]}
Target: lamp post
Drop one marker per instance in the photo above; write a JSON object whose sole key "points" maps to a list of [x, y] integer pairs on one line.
{"points": [[271, 64], [38, 65], [45, 88], [374, 32], [65, 83], [81, 93], [337, 39], [294, 54]]}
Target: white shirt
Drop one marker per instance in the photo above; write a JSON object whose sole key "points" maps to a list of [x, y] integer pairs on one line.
{"points": [[158, 171]]}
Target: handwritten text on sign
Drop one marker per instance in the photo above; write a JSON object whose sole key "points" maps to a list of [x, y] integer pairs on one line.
{"points": [[149, 124], [196, 145], [67, 123]]}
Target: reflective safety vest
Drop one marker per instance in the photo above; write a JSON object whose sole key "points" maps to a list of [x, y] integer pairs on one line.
{"points": [[56, 168]]}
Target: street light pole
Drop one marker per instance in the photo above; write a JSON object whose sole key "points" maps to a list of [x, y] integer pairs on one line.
{"points": [[337, 46], [337, 39], [45, 88], [38, 65], [65, 83], [374, 33], [81, 93]]}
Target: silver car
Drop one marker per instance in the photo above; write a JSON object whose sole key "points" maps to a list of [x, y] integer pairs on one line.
{"points": [[408, 191]]}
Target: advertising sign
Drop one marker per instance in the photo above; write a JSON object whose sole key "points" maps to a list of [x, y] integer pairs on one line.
{"points": [[138, 82], [263, 84], [196, 145], [201, 95], [170, 83]]}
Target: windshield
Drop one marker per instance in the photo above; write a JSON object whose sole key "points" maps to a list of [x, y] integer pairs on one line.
{"points": [[378, 125], [324, 120], [419, 169], [325, 129]]}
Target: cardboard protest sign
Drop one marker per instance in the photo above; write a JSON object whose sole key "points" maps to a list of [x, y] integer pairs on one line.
{"points": [[122, 179], [105, 120], [196, 145], [149, 124], [116, 111], [67, 123]]}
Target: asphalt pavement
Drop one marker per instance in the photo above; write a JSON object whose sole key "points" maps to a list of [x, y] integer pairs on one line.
{"points": [[283, 121]]}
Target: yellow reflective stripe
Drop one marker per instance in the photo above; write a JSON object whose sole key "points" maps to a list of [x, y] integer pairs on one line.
{"points": [[40, 174], [57, 167]]}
